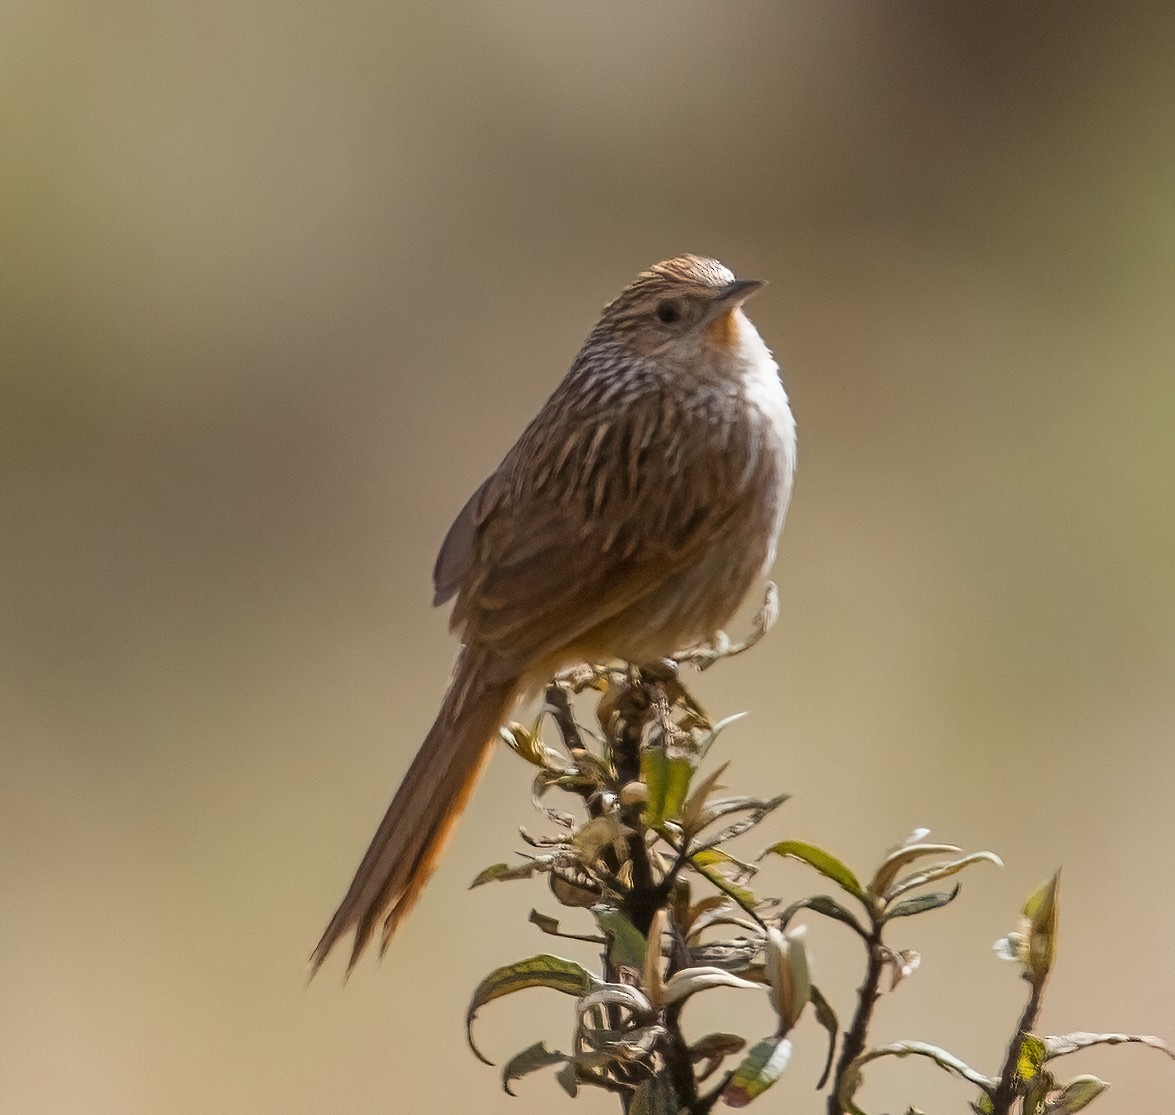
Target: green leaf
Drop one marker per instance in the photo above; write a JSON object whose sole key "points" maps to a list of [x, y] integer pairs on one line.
{"points": [[761, 1068], [701, 862], [826, 1016], [1040, 915], [654, 1096], [826, 905], [1035, 1091], [920, 905], [1032, 1056], [526, 743], [1080, 1092], [543, 970], [824, 862], [531, 1059], [668, 779], [709, 857], [626, 943]]}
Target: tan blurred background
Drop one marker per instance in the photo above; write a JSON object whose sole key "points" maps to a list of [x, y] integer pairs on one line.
{"points": [[280, 284]]}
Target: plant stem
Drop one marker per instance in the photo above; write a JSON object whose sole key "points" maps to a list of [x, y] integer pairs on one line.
{"points": [[1008, 1089], [678, 1064], [867, 996]]}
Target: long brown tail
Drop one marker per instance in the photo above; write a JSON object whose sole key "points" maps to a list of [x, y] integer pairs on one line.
{"points": [[418, 823]]}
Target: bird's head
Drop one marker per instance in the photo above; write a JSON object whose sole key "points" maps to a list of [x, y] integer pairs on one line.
{"points": [[687, 307]]}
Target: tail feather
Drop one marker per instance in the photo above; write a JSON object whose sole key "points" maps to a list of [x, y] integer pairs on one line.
{"points": [[421, 818]]}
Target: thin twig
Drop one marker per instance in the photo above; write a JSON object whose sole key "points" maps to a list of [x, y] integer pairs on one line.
{"points": [[559, 704], [867, 996], [1008, 1089]]}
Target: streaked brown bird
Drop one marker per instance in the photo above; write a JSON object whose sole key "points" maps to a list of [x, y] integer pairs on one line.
{"points": [[628, 522]]}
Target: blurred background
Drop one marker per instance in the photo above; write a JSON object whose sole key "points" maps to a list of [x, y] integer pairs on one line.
{"points": [[279, 284]]}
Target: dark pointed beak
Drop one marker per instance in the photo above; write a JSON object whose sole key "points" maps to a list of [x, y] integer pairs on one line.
{"points": [[738, 292]]}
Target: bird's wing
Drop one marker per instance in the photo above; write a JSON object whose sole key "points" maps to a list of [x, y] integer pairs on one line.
{"points": [[567, 535]]}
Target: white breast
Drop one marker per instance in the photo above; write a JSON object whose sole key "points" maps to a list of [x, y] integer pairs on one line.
{"points": [[756, 368]]}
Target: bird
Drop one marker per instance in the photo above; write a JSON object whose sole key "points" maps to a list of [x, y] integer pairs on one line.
{"points": [[628, 522]]}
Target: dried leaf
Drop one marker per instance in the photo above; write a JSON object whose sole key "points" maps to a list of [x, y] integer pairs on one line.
{"points": [[568, 1079], [600, 834], [715, 731], [1080, 1039], [710, 905], [576, 890], [902, 964], [851, 1080], [531, 1059], [903, 854], [787, 973], [527, 744], [692, 810], [653, 962], [939, 871], [681, 985], [502, 872], [714, 1049], [740, 803], [1035, 1091], [617, 995], [826, 1016], [545, 922], [758, 808], [562, 779], [594, 771]]}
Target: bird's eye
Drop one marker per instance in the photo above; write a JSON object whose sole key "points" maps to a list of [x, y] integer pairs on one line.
{"points": [[669, 312]]}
